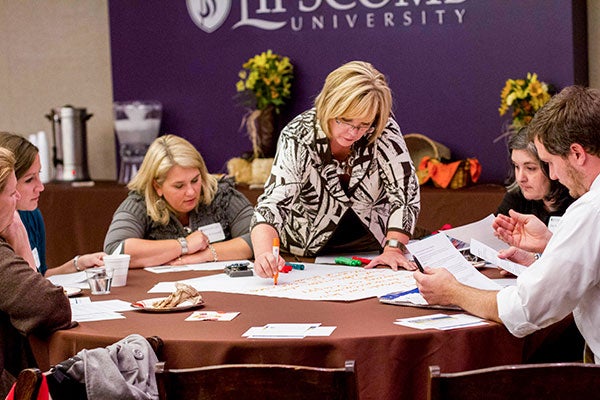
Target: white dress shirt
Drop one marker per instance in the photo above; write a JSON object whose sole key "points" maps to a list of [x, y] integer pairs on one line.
{"points": [[565, 279]]}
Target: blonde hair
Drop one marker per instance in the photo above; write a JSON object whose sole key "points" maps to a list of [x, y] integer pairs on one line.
{"points": [[7, 166], [356, 90], [163, 154]]}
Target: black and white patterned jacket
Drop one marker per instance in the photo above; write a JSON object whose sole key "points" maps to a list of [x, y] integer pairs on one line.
{"points": [[304, 200]]}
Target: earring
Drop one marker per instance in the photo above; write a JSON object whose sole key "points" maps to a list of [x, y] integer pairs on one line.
{"points": [[161, 204]]}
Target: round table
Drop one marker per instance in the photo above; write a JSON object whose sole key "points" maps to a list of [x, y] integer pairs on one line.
{"points": [[391, 361]]}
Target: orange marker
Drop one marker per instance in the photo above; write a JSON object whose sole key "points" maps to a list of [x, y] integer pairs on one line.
{"points": [[276, 254]]}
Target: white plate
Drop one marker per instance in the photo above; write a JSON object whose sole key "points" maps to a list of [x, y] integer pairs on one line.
{"points": [[72, 291], [148, 305]]}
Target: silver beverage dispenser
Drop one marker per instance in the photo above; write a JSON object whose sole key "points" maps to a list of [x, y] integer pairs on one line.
{"points": [[69, 150]]}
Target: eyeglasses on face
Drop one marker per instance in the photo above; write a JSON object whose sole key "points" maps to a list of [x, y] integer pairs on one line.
{"points": [[360, 129]]}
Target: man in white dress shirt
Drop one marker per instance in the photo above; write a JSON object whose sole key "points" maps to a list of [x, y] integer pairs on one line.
{"points": [[566, 278]]}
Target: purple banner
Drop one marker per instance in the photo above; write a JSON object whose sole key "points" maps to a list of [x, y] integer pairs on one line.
{"points": [[446, 61]]}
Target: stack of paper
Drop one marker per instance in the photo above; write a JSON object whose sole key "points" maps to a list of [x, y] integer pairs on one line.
{"points": [[441, 321], [85, 310], [288, 331]]}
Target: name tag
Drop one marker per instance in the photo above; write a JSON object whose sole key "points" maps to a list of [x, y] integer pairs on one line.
{"points": [[553, 223], [214, 232], [36, 258]]}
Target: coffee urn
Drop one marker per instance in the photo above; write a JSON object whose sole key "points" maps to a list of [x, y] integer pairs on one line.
{"points": [[69, 150]]}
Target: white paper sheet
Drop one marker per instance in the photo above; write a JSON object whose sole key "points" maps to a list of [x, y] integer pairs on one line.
{"points": [[315, 282], [441, 321], [288, 331], [437, 251], [490, 255], [99, 310], [70, 280], [214, 232], [481, 230]]}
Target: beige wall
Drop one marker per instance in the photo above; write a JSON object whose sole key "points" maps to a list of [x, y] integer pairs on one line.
{"points": [[57, 52]]}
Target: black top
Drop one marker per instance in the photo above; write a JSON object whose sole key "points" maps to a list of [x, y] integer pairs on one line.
{"points": [[514, 199]]}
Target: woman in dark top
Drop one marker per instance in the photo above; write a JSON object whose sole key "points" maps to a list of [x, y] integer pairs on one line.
{"points": [[532, 192]]}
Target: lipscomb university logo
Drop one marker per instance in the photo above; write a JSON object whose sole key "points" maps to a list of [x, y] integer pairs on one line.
{"points": [[208, 14]]}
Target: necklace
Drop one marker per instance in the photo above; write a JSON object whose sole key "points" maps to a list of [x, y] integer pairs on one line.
{"points": [[345, 162], [346, 167]]}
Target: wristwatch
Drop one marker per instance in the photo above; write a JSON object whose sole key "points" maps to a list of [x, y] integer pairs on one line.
{"points": [[396, 244], [184, 246]]}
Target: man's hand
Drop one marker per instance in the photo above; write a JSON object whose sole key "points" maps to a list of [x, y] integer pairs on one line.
{"points": [[524, 231], [437, 285]]}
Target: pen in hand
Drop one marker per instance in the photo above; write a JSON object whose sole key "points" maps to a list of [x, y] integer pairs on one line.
{"points": [[276, 254], [418, 264]]}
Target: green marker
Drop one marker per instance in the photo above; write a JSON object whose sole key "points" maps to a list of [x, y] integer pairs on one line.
{"points": [[347, 261]]}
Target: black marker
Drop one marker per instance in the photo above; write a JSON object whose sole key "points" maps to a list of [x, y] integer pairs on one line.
{"points": [[418, 264]]}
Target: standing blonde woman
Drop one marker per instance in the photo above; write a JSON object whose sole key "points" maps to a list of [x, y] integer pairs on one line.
{"points": [[342, 180], [172, 203]]}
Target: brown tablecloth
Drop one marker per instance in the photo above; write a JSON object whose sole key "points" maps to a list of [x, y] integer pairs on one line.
{"points": [[77, 218], [391, 361]]}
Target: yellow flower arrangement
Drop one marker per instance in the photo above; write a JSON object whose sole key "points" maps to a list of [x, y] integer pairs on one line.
{"points": [[267, 78], [525, 97]]}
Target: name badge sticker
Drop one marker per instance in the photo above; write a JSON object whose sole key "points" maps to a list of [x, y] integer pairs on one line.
{"points": [[553, 223], [214, 232]]}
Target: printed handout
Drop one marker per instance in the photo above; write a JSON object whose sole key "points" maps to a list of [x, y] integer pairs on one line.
{"points": [[437, 251]]}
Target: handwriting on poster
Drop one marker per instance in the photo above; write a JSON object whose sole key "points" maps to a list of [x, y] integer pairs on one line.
{"points": [[351, 285]]}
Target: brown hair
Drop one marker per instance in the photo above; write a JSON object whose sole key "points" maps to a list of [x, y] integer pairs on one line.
{"points": [[23, 150], [571, 116]]}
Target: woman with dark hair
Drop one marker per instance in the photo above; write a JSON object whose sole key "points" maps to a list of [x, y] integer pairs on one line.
{"points": [[532, 192]]}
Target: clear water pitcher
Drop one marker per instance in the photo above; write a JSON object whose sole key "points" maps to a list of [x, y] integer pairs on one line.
{"points": [[137, 124]]}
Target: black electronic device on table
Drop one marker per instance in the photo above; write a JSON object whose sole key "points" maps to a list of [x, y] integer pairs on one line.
{"points": [[236, 270]]}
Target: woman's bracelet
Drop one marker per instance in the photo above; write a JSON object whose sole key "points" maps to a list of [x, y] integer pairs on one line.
{"points": [[75, 261], [214, 252]]}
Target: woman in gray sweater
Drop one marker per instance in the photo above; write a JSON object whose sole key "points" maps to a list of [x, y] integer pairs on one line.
{"points": [[178, 213]]}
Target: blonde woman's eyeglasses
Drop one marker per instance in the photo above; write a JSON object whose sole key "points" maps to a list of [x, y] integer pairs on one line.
{"points": [[360, 129]]}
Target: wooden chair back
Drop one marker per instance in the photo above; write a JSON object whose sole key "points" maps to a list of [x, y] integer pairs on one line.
{"points": [[554, 381], [28, 384], [257, 381]]}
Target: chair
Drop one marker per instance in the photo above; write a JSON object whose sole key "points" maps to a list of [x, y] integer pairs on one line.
{"points": [[524, 382], [257, 381], [27, 385]]}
